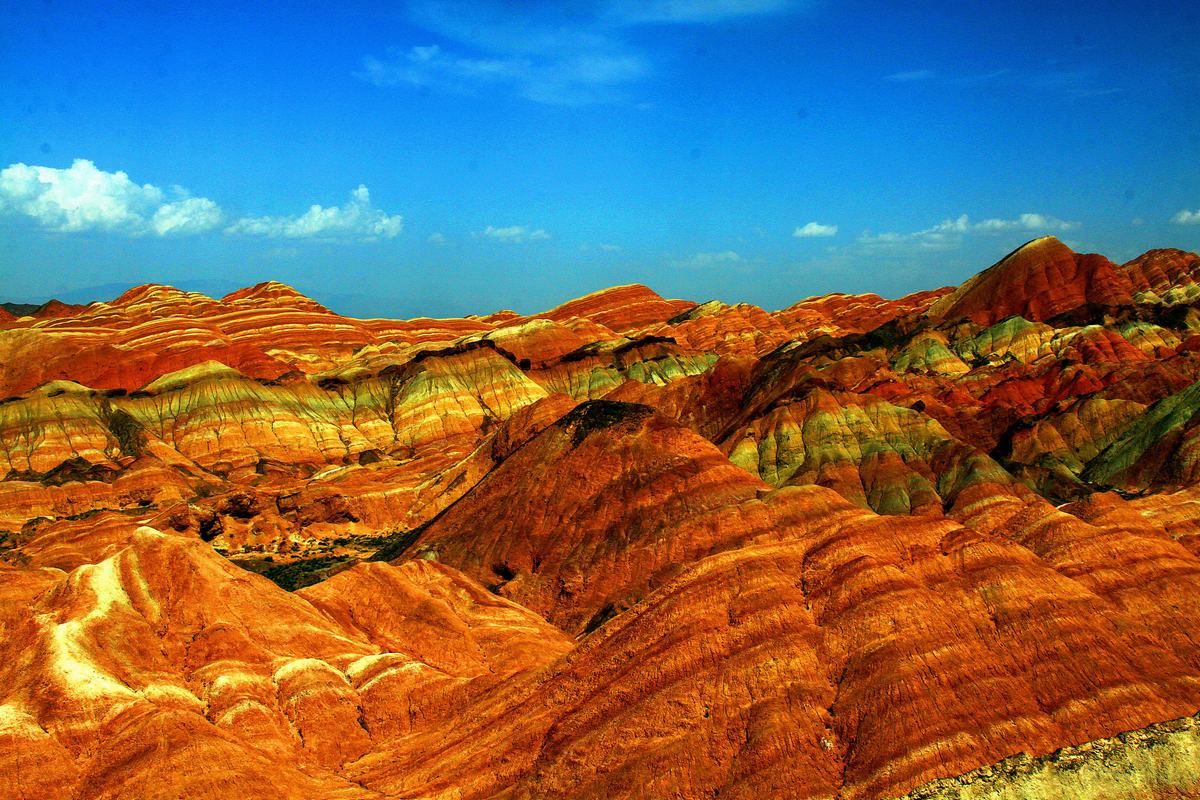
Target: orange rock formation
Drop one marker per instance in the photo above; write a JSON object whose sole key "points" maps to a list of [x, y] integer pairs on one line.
{"points": [[945, 546]]}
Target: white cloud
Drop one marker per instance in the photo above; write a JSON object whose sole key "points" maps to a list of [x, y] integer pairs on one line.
{"points": [[948, 234], [357, 219], [1024, 222], [85, 198], [676, 12], [556, 79], [555, 53], [512, 234], [193, 215], [814, 230], [611, 248], [1186, 217], [1086, 83], [717, 259], [910, 75], [437, 238], [430, 66]]}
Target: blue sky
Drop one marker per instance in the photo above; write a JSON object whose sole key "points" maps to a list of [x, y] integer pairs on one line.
{"points": [[399, 159]]}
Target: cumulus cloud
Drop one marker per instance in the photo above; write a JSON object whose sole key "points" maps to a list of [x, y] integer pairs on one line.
{"points": [[193, 215], [611, 248], [357, 219], [511, 234], [716, 259], [83, 197], [814, 230], [948, 234], [437, 238], [1186, 217]]}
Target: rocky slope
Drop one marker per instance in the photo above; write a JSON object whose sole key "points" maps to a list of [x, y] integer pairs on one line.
{"points": [[941, 546]]}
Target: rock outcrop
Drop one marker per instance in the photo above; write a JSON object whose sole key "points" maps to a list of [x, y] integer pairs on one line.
{"points": [[941, 546]]}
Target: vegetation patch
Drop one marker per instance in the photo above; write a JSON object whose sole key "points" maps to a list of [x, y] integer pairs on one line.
{"points": [[125, 432], [239, 505], [588, 350], [394, 545], [641, 342], [599, 618], [596, 415], [9, 553], [1175, 317], [73, 470], [298, 574], [683, 316], [465, 347]]}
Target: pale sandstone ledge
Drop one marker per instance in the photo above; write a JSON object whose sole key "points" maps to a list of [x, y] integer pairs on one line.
{"points": [[1153, 763]]}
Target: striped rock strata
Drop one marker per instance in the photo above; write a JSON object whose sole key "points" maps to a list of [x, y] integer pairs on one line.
{"points": [[941, 546]]}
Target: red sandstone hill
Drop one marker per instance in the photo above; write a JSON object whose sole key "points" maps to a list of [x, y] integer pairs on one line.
{"points": [[56, 309], [51, 309], [1037, 281], [621, 308], [944, 546]]}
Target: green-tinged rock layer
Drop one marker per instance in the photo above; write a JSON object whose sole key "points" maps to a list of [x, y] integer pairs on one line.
{"points": [[1155, 443], [890, 459], [1153, 763]]}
